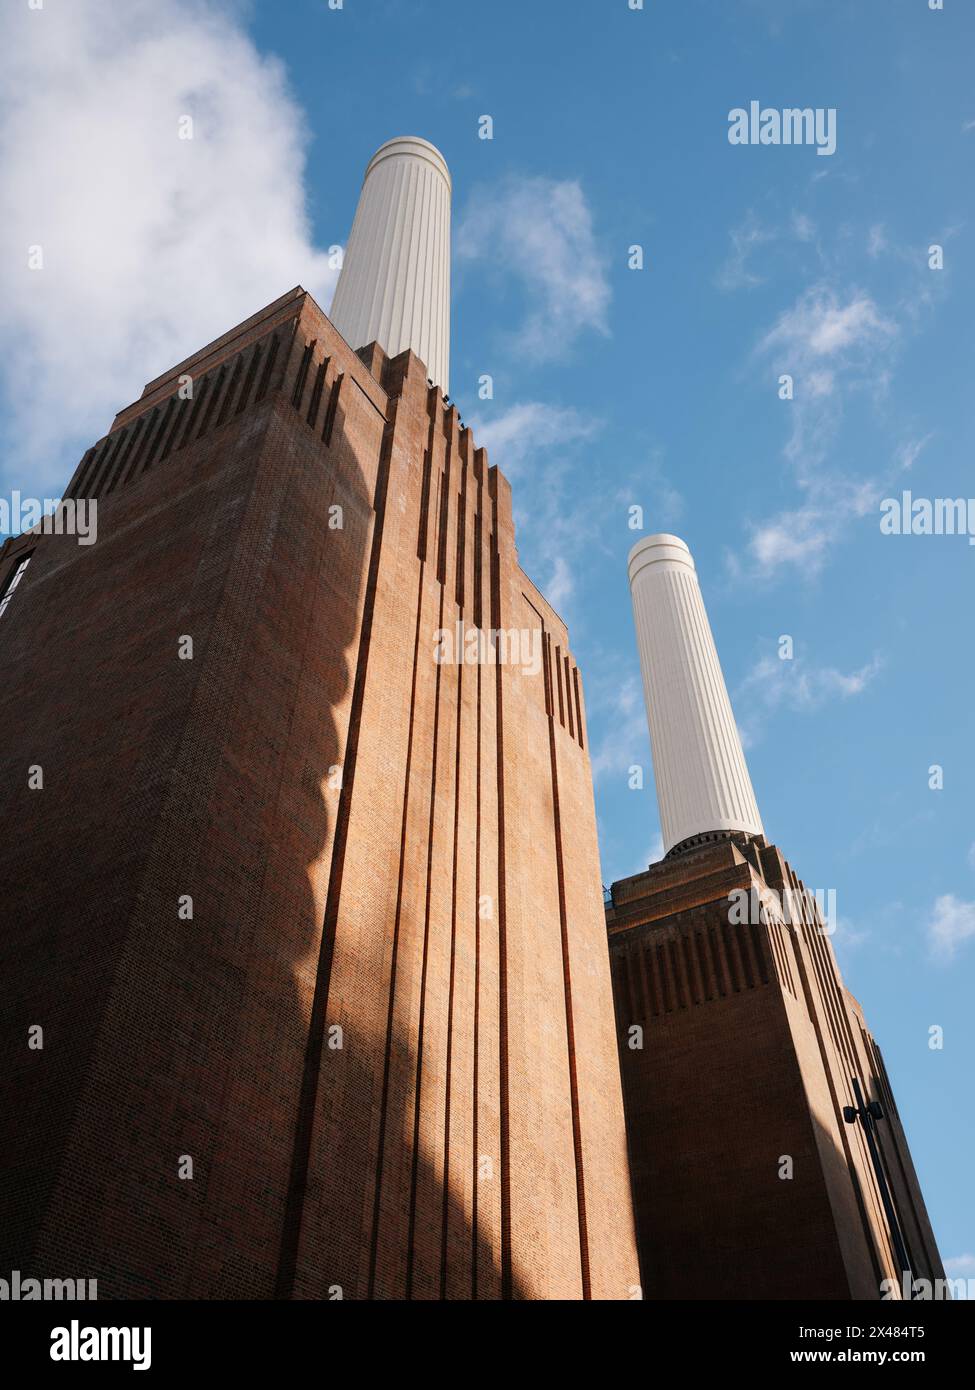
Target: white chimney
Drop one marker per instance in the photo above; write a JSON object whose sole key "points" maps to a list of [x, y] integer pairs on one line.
{"points": [[394, 287], [702, 781]]}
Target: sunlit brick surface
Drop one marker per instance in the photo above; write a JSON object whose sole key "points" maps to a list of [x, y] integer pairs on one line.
{"points": [[749, 1045], [338, 805]]}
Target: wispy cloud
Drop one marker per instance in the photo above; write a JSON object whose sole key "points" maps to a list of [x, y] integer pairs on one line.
{"points": [[746, 238], [428, 82], [556, 520], [804, 688], [803, 227], [649, 487], [951, 923], [623, 739], [960, 1266], [833, 344], [876, 240], [848, 936], [750, 236], [891, 826], [910, 451], [560, 585], [152, 244], [799, 538], [539, 231], [656, 851], [777, 15], [821, 325], [803, 537], [528, 427]]}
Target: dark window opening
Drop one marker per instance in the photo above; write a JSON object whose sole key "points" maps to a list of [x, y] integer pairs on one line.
{"points": [[17, 574]]}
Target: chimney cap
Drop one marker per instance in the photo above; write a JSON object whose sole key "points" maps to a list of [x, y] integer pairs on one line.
{"points": [[411, 145], [660, 549]]}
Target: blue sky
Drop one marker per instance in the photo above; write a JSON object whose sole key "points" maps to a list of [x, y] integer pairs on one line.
{"points": [[612, 387]]}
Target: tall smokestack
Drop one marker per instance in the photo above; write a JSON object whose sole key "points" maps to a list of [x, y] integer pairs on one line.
{"points": [[702, 781], [394, 287]]}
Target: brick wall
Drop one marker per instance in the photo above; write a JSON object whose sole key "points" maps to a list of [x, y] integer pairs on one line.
{"points": [[385, 1037], [746, 1058]]}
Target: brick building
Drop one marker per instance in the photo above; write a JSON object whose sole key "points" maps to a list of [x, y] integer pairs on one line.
{"points": [[300, 908], [742, 1053], [750, 1044], [305, 982]]}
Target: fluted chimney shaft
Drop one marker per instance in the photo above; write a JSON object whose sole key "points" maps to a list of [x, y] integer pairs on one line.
{"points": [[702, 780], [394, 287]]}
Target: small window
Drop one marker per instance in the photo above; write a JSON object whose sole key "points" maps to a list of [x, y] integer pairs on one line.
{"points": [[6, 593]]}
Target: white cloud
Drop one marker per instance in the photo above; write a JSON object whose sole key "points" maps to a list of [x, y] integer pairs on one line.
{"points": [[820, 382], [910, 451], [665, 501], [540, 231], [951, 923], [803, 227], [561, 584], [820, 325], [803, 536], [833, 345], [555, 518], [960, 1267], [876, 241], [621, 715], [526, 428], [747, 237], [152, 245], [798, 686], [847, 936], [649, 487], [798, 538]]}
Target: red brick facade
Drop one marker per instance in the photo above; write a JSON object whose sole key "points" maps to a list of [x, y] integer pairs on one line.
{"points": [[748, 1050], [386, 1037]]}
